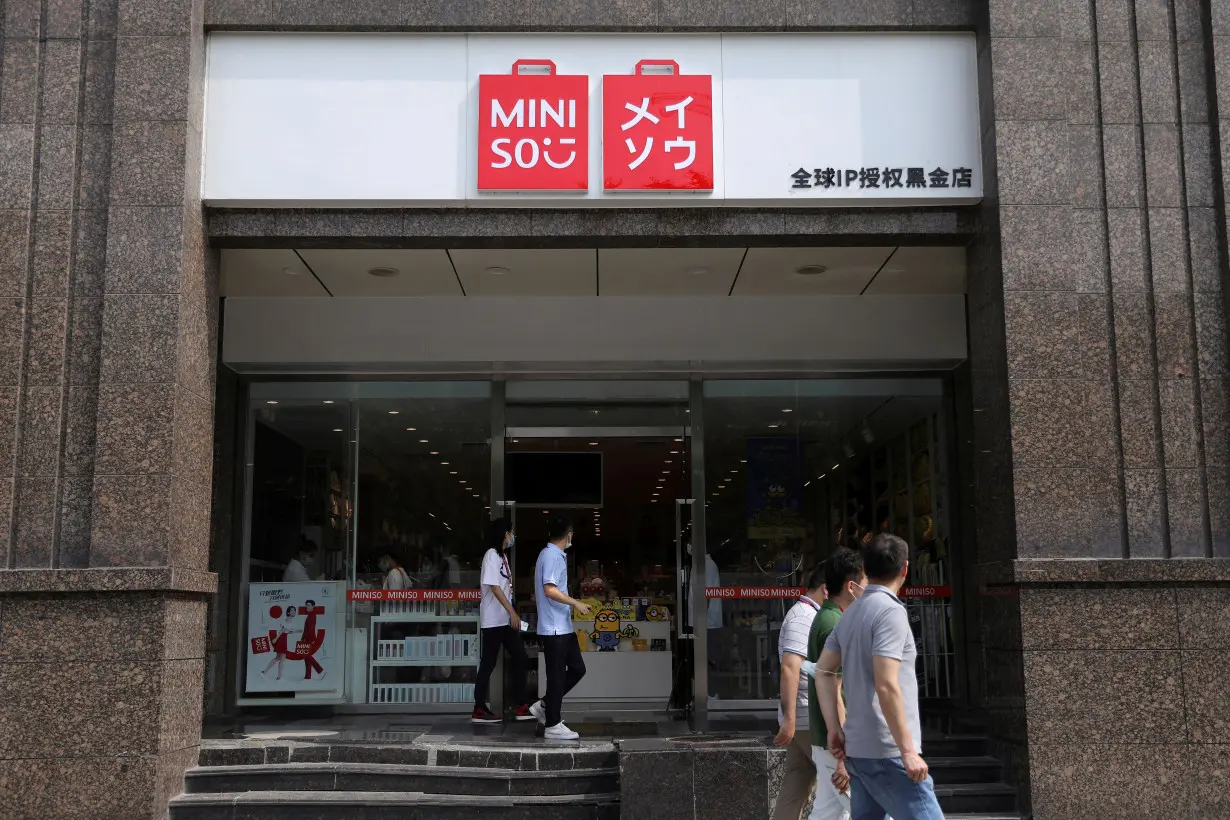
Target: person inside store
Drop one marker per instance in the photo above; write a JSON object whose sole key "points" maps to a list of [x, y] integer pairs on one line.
{"points": [[395, 576], [500, 626], [296, 567]]}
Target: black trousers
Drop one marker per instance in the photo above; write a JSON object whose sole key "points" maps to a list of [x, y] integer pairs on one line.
{"points": [[493, 638], [565, 668]]}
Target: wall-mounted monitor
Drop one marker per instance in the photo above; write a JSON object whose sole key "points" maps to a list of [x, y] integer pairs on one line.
{"points": [[554, 479]]}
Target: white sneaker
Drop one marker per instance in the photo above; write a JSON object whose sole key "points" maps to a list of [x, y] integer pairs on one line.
{"points": [[538, 711], [560, 732]]}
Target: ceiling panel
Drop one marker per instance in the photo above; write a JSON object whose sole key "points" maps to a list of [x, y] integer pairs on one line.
{"points": [[773, 271], [419, 272], [266, 273], [921, 271], [530, 272], [667, 271]]}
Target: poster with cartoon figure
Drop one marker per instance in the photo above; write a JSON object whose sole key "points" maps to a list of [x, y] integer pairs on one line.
{"points": [[293, 632]]}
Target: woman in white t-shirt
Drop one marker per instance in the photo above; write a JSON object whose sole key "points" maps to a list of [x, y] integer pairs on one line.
{"points": [[500, 626]]}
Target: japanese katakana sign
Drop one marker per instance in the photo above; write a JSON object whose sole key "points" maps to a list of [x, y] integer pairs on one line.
{"points": [[877, 177], [533, 129], [657, 129]]}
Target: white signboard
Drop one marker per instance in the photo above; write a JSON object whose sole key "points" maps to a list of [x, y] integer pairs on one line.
{"points": [[585, 120], [294, 637]]}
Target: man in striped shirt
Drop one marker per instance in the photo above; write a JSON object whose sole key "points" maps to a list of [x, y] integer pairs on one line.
{"points": [[794, 731]]}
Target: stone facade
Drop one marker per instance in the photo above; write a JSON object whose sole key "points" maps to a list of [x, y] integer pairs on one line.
{"points": [[1094, 418]]}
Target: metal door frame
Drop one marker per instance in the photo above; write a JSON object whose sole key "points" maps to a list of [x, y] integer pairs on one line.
{"points": [[692, 432]]}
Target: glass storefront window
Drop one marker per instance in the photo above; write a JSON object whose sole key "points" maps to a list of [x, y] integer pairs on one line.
{"points": [[364, 487], [359, 488], [794, 469]]}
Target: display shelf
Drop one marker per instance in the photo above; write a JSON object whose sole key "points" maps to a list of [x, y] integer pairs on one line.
{"points": [[427, 662], [414, 619]]}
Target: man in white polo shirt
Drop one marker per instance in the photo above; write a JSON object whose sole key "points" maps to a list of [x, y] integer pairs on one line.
{"points": [[794, 732]]}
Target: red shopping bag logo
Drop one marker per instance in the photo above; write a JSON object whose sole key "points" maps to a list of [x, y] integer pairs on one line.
{"points": [[261, 645], [533, 129], [657, 129]]}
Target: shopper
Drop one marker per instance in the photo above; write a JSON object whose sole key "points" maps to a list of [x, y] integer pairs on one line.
{"points": [[794, 732], [562, 653], [844, 582], [881, 741], [500, 626], [395, 576], [296, 567]]}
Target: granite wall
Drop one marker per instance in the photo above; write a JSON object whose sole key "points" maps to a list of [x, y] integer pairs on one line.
{"points": [[1099, 392], [107, 350]]}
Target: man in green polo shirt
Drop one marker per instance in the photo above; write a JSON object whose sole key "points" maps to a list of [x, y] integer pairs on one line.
{"points": [[844, 580]]}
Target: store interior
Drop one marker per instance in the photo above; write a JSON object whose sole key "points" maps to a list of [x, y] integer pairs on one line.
{"points": [[792, 469]]}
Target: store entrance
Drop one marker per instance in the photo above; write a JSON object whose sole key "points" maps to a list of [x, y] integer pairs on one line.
{"points": [[621, 487]]}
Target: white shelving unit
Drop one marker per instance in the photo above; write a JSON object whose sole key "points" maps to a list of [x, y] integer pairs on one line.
{"points": [[423, 648]]}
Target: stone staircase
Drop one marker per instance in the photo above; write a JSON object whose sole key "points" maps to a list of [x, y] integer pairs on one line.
{"points": [[969, 782], [406, 782]]}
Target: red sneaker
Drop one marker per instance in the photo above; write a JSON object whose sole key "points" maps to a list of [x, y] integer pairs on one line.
{"points": [[523, 712], [484, 715]]}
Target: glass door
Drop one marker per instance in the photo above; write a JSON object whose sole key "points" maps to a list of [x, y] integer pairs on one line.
{"points": [[612, 458]]}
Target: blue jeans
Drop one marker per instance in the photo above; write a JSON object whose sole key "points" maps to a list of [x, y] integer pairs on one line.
{"points": [[880, 787]]}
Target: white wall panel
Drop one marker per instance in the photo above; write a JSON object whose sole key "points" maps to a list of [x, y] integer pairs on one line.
{"points": [[353, 120]]}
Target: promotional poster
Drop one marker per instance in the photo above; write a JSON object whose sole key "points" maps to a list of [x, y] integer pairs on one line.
{"points": [[293, 637]]}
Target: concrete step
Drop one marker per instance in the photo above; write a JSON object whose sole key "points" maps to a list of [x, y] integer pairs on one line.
{"points": [[954, 745], [291, 805], [976, 798], [496, 756], [386, 777], [955, 770]]}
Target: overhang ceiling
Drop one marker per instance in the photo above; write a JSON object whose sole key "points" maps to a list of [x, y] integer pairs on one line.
{"points": [[595, 272]]}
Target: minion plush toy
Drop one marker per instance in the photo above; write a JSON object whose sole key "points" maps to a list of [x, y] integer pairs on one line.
{"points": [[607, 634]]}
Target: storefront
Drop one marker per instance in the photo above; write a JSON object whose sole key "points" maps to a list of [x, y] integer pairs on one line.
{"points": [[359, 482], [704, 484], [948, 268]]}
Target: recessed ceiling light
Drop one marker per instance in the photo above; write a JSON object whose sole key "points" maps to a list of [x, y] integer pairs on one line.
{"points": [[452, 472], [787, 410], [394, 412], [328, 401], [476, 495], [434, 453], [411, 429], [422, 441], [443, 463], [774, 426], [497, 271], [271, 401], [678, 439], [383, 273], [337, 430], [593, 444], [810, 270]]}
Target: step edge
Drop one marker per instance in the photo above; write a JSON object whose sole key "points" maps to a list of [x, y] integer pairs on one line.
{"points": [[201, 772], [387, 798]]}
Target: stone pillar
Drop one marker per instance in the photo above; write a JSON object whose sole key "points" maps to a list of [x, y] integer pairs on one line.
{"points": [[1104, 587], [107, 325]]}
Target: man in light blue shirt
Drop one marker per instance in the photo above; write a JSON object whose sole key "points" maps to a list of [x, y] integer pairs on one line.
{"points": [[561, 652]]}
